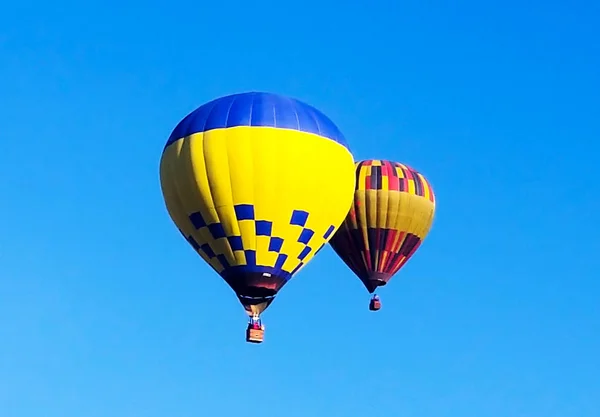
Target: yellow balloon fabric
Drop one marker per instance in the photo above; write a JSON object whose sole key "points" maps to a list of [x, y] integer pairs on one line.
{"points": [[257, 183], [393, 211]]}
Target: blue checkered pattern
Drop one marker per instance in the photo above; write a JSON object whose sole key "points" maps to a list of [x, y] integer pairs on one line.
{"points": [[298, 219]]}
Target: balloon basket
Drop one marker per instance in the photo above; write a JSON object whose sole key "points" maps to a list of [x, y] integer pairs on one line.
{"points": [[255, 335], [374, 305]]}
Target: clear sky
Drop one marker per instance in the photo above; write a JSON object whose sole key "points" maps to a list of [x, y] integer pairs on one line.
{"points": [[102, 311]]}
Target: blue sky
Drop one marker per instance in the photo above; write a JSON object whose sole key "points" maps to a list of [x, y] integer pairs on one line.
{"points": [[102, 311]]}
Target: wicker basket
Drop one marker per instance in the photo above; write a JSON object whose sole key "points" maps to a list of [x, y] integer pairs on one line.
{"points": [[255, 335]]}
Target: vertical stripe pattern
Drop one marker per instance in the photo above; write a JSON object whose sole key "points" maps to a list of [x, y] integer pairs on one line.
{"points": [[393, 211]]}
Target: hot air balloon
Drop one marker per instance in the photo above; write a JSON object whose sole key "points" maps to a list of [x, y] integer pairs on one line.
{"points": [[392, 213], [257, 183]]}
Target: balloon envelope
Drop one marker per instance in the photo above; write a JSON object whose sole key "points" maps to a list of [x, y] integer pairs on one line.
{"points": [[257, 183], [392, 213]]}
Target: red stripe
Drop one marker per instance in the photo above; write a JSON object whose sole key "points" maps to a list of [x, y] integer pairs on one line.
{"points": [[401, 237], [385, 168], [393, 183], [396, 265], [390, 240]]}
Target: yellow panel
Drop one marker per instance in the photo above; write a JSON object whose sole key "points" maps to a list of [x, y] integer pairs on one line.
{"points": [[394, 210], [241, 167], [263, 256], [426, 188], [172, 189], [362, 177], [276, 171], [240, 257], [247, 230], [385, 182], [382, 208], [412, 189], [192, 183], [371, 200], [414, 214], [167, 182], [191, 176], [361, 215]]}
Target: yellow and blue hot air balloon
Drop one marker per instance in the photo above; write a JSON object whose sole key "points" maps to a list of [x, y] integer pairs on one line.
{"points": [[257, 183]]}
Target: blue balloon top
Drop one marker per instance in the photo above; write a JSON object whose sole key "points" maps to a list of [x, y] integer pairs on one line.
{"points": [[257, 109]]}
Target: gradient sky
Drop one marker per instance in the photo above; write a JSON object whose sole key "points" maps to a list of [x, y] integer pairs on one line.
{"points": [[106, 311]]}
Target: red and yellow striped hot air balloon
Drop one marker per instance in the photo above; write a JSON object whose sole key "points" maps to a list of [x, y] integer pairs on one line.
{"points": [[393, 211]]}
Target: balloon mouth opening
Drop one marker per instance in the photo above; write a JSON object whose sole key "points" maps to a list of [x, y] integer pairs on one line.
{"points": [[255, 299], [254, 288], [257, 293], [373, 283]]}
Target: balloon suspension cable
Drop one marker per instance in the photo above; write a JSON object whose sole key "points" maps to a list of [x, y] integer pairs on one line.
{"points": [[255, 318]]}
